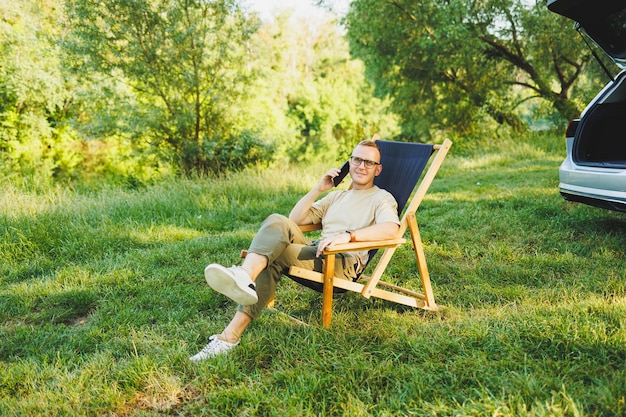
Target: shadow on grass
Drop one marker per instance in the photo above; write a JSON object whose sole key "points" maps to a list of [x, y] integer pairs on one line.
{"points": [[67, 307]]}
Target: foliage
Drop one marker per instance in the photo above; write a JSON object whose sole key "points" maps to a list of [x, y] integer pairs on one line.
{"points": [[34, 95], [130, 92], [186, 63], [310, 94], [457, 65], [102, 301], [40, 99]]}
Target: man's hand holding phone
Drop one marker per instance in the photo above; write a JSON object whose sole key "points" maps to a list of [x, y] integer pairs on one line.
{"points": [[343, 171]]}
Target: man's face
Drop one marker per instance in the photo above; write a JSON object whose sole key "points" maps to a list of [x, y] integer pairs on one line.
{"points": [[362, 176]]}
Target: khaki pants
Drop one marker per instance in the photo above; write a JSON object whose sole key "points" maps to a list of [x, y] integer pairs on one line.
{"points": [[283, 244]]}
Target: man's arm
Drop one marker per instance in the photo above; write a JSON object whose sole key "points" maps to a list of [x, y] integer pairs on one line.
{"points": [[300, 212], [380, 231]]}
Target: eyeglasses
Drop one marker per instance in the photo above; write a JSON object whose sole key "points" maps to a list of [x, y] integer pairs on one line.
{"points": [[356, 161]]}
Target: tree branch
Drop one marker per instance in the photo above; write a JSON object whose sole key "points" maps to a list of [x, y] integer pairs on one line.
{"points": [[412, 17]]}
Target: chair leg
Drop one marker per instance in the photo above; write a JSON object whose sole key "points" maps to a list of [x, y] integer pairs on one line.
{"points": [[327, 295], [421, 261]]}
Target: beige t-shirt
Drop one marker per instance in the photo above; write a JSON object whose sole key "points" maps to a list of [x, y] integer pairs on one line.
{"points": [[343, 210]]}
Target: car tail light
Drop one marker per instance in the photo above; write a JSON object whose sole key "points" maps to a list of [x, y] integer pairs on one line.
{"points": [[571, 128]]}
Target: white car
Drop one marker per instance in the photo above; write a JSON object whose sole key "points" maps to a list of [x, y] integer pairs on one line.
{"points": [[594, 171]]}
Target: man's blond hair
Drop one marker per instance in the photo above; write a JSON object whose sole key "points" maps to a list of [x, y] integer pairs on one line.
{"points": [[371, 144]]}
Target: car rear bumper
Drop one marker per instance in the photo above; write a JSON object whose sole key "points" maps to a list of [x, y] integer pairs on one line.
{"points": [[599, 187], [595, 200]]}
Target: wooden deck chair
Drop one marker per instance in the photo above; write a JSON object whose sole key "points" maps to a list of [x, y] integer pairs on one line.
{"points": [[403, 165]]}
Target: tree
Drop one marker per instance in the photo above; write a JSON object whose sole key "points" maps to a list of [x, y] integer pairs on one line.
{"points": [[314, 98], [33, 91], [186, 62], [452, 65]]}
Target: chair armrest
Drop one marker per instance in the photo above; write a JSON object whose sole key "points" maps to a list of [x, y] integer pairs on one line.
{"points": [[365, 245]]}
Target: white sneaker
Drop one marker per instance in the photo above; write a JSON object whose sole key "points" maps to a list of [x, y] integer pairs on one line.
{"points": [[214, 348], [233, 282]]}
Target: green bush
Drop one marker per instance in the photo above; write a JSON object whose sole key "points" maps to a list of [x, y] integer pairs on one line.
{"points": [[236, 153]]}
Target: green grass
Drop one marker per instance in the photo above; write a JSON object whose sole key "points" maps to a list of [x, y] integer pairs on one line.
{"points": [[102, 301]]}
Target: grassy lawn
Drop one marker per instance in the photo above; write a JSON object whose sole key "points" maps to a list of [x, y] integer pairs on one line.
{"points": [[102, 301]]}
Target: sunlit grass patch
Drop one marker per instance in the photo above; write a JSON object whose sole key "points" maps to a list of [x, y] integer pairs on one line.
{"points": [[103, 300]]}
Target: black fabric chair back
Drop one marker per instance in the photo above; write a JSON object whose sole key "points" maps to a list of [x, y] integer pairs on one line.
{"points": [[403, 164]]}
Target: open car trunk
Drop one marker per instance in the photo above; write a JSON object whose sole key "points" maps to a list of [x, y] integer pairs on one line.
{"points": [[599, 139], [604, 21]]}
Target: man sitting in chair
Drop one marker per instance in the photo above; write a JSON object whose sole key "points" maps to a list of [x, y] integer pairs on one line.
{"points": [[364, 212]]}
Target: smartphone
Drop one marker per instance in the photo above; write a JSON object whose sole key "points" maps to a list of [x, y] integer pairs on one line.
{"points": [[345, 168]]}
